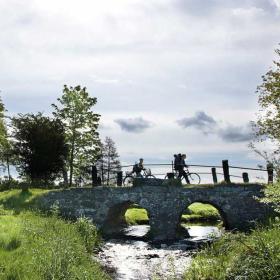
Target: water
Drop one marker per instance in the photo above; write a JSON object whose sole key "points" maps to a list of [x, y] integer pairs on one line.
{"points": [[132, 259]]}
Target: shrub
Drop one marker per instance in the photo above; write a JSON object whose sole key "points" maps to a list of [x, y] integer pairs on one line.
{"points": [[88, 233]]}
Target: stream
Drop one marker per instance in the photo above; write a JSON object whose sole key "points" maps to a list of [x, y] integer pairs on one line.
{"points": [[130, 257]]}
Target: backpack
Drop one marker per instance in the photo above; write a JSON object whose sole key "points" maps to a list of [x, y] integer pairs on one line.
{"points": [[136, 168], [177, 161]]}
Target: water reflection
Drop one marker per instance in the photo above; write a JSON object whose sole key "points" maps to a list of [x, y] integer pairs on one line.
{"points": [[135, 260]]}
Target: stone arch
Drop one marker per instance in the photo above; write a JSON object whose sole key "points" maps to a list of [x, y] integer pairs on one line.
{"points": [[210, 202], [115, 220]]}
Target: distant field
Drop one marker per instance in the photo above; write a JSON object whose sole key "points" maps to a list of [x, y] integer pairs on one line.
{"points": [[195, 213]]}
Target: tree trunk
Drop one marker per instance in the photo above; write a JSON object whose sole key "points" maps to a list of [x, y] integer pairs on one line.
{"points": [[65, 176], [8, 168], [108, 172], [102, 173], [72, 161]]}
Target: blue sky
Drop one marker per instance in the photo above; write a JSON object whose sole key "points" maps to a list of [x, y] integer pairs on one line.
{"points": [[170, 75]]}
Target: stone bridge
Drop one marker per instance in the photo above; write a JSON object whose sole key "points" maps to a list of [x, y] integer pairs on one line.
{"points": [[164, 202]]}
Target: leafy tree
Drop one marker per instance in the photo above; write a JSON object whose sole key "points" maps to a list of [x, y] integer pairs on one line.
{"points": [[108, 164], [75, 112], [40, 145], [272, 196], [5, 145], [268, 123]]}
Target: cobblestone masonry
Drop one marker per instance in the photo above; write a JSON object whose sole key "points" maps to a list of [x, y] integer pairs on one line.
{"points": [[165, 203]]}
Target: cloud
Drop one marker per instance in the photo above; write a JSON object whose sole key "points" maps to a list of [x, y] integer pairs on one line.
{"points": [[206, 8], [136, 125], [208, 125], [236, 133], [200, 121]]}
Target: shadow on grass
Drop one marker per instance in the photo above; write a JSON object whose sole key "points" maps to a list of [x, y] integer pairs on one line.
{"points": [[19, 201], [13, 244]]}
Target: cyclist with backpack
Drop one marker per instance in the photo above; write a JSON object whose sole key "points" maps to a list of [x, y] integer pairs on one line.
{"points": [[179, 165], [138, 167]]}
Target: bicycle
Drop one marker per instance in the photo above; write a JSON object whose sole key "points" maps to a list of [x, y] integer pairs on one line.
{"points": [[129, 177], [193, 177]]}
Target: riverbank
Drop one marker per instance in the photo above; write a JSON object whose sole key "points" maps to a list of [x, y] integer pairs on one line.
{"points": [[36, 246], [255, 256]]}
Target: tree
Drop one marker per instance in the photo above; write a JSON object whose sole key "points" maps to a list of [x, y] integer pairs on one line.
{"points": [[268, 123], [40, 146], [75, 112], [108, 164], [5, 145]]}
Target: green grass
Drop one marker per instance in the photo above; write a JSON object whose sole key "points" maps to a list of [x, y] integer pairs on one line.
{"points": [[197, 212], [35, 246], [238, 256], [136, 216], [16, 201]]}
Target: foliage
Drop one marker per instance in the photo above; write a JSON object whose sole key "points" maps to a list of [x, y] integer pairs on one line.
{"points": [[38, 247], [239, 256], [272, 196], [40, 147], [75, 112], [268, 123], [8, 184], [272, 159], [108, 163], [6, 155], [269, 100], [88, 233]]}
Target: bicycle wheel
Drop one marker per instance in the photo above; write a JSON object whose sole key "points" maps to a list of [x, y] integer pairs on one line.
{"points": [[194, 178], [128, 181]]}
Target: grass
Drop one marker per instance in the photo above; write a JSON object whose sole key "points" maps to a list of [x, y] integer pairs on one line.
{"points": [[35, 246], [16, 201], [197, 212], [254, 256], [136, 216], [238, 256]]}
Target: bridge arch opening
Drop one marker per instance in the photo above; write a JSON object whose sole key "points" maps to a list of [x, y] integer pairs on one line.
{"points": [[136, 215], [123, 216], [202, 214]]}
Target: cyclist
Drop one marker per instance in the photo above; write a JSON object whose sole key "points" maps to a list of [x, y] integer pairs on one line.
{"points": [[180, 165], [138, 167]]}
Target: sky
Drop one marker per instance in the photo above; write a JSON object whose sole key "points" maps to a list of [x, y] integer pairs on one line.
{"points": [[170, 76]]}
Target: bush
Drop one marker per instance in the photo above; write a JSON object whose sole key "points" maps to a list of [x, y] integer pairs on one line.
{"points": [[272, 196], [7, 184], [88, 233]]}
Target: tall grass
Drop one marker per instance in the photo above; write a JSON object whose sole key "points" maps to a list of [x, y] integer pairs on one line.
{"points": [[238, 256], [34, 246]]}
